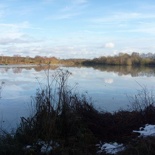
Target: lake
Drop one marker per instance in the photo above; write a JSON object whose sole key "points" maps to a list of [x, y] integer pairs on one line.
{"points": [[110, 87]]}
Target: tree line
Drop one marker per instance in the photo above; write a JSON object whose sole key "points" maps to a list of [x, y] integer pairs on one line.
{"points": [[122, 59], [134, 59], [17, 59]]}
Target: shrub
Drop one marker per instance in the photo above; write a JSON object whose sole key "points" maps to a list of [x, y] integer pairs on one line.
{"points": [[59, 117]]}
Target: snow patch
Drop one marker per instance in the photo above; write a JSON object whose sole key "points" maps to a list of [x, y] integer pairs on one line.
{"points": [[148, 130], [46, 148], [28, 147], [42, 146], [110, 148]]}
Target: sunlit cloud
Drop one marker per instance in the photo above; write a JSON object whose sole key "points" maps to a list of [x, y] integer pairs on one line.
{"points": [[109, 45]]}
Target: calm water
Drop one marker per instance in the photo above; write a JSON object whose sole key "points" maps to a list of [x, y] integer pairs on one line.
{"points": [[109, 87]]}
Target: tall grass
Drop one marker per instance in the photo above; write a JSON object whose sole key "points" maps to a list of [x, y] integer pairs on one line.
{"points": [[143, 99], [58, 117]]}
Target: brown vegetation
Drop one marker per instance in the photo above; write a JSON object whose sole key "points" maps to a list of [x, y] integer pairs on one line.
{"points": [[135, 59], [17, 59], [123, 59]]}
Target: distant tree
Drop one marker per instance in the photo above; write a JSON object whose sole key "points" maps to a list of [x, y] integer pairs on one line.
{"points": [[135, 54], [16, 56]]}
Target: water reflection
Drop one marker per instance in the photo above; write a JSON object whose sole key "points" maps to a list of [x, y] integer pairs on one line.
{"points": [[109, 80], [128, 70], [18, 69], [120, 70], [108, 86]]}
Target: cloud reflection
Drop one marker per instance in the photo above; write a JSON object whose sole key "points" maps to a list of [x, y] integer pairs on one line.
{"points": [[109, 81]]}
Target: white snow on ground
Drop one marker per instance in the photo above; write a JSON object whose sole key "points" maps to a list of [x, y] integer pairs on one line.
{"points": [[46, 148], [148, 130], [111, 148], [28, 147], [114, 148]]}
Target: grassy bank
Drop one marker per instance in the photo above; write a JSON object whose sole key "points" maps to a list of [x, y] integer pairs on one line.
{"points": [[66, 123]]}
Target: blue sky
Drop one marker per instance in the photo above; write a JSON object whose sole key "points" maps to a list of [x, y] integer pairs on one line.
{"points": [[76, 28]]}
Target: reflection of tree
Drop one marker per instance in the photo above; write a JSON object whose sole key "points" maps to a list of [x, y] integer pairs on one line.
{"points": [[17, 70], [45, 67], [36, 68], [120, 70], [1, 87], [4, 70], [128, 70]]}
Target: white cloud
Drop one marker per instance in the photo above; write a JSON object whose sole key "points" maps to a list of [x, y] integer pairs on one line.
{"points": [[72, 9], [31, 49], [64, 51], [17, 26], [109, 45], [14, 33], [64, 16], [123, 16], [15, 39]]}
